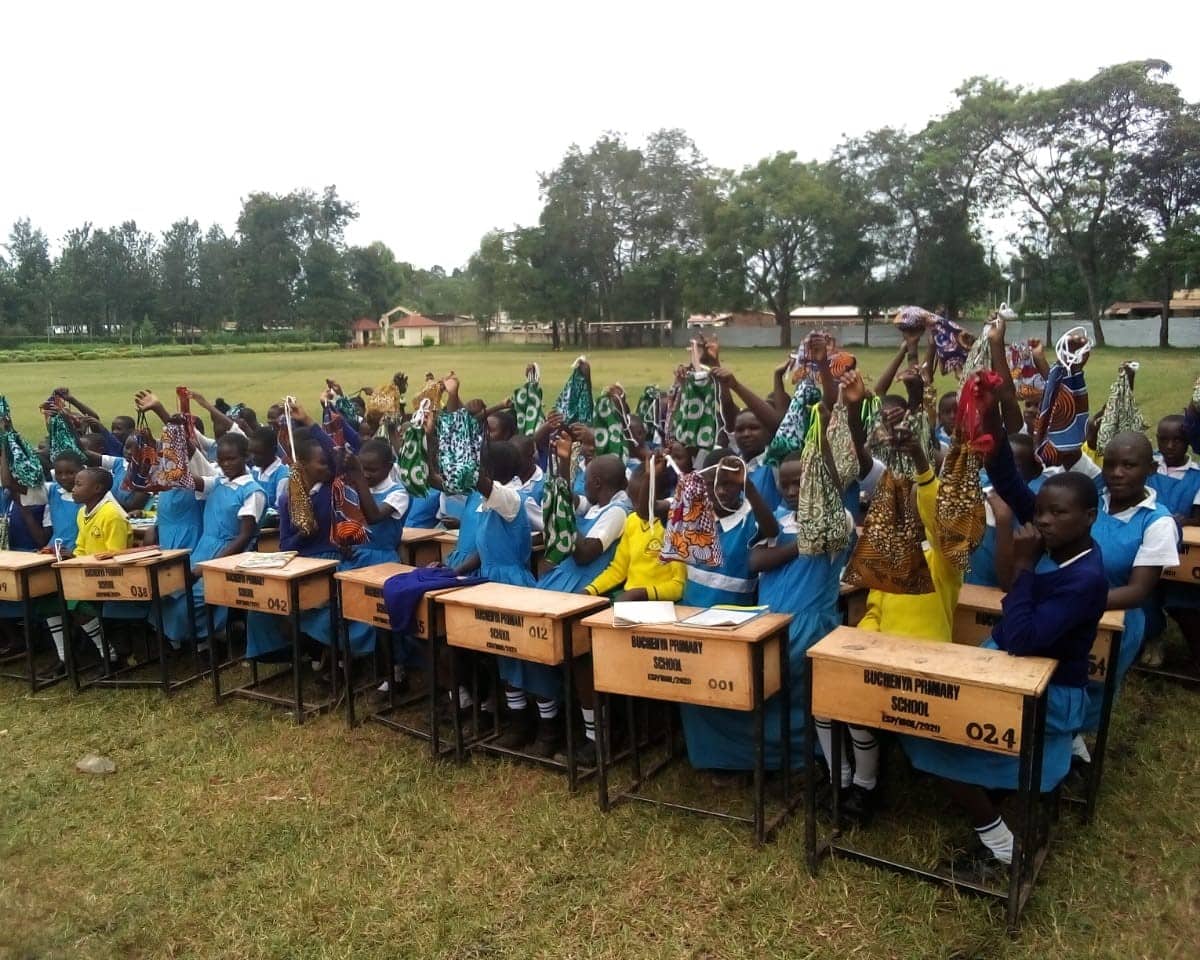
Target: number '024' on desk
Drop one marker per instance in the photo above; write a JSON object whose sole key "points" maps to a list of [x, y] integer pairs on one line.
{"points": [[942, 691]]}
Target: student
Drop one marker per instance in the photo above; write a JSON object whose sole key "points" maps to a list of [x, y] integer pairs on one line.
{"points": [[23, 509], [1052, 609], [532, 476], [1136, 536], [267, 469], [384, 502], [112, 440], [1177, 483], [947, 412], [753, 428], [92, 445], [788, 582], [981, 571], [100, 526], [636, 567], [743, 519]]}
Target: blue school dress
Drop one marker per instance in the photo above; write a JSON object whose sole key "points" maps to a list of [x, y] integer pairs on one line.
{"points": [[1119, 541], [1067, 696], [64, 516], [20, 539], [732, 582], [807, 588], [1179, 495], [570, 576], [384, 543], [765, 478], [468, 530], [268, 478], [423, 511], [180, 520]]}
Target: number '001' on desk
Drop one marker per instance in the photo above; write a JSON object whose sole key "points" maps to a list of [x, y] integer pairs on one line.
{"points": [[942, 691]]}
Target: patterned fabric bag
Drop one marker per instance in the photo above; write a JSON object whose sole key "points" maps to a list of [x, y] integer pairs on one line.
{"points": [[650, 410], [951, 344], [558, 509], [527, 402], [841, 444], [1120, 409], [139, 476], [696, 421], [1027, 379], [821, 522], [171, 470], [342, 404], [1061, 424], [793, 428], [575, 399], [349, 522], [333, 424], [888, 555], [691, 531], [961, 520], [460, 448], [413, 468], [913, 318], [300, 507], [385, 401], [610, 427], [22, 459], [62, 437]]}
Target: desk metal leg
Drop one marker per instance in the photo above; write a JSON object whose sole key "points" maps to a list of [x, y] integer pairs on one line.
{"points": [[294, 625], [213, 657], [343, 635], [68, 635], [810, 777], [603, 745], [27, 614], [1106, 708], [568, 665], [760, 745], [431, 678], [837, 731], [164, 668], [785, 719]]}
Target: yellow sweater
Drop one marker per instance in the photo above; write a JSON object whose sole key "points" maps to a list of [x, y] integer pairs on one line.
{"points": [[922, 616], [104, 530], [637, 566]]}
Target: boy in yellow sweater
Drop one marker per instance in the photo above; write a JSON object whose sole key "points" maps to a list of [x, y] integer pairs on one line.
{"points": [[636, 564]]}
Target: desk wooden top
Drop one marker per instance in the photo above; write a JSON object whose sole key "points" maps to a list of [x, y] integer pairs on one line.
{"points": [[755, 631], [298, 567], [419, 534], [375, 575], [989, 599], [971, 666], [23, 560], [1191, 536], [93, 561], [848, 588], [446, 536], [526, 600]]}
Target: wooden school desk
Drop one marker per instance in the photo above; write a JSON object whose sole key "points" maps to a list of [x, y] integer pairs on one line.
{"points": [[979, 609], [304, 584], [361, 594], [973, 697], [852, 602], [268, 541], [92, 580], [525, 623], [23, 578], [1188, 572], [419, 547], [735, 668]]}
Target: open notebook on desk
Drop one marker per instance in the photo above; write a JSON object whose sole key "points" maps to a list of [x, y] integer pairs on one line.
{"points": [[724, 615], [633, 613]]}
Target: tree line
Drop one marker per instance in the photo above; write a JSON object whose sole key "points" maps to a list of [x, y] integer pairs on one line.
{"points": [[1092, 185]]}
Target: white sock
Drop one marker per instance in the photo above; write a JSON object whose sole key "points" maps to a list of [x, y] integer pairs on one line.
{"points": [[547, 709], [1079, 749], [464, 697], [866, 758], [516, 700], [825, 738], [398, 673], [998, 838], [589, 723], [56, 631], [92, 629]]}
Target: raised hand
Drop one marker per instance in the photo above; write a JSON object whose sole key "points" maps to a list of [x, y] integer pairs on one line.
{"points": [[853, 388], [1027, 547]]}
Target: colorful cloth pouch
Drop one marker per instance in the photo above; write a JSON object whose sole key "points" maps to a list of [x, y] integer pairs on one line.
{"points": [[1061, 424], [23, 461], [558, 511], [411, 462], [349, 522], [610, 427], [385, 401], [691, 531], [951, 344], [62, 437], [575, 399], [171, 470], [650, 410], [300, 506], [822, 525], [961, 519], [139, 476], [1027, 378], [1120, 410], [913, 318], [888, 555], [841, 444], [528, 403], [696, 419], [460, 449], [332, 423], [793, 428]]}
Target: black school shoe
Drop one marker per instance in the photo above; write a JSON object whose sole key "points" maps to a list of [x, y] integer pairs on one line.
{"points": [[976, 864], [521, 732], [550, 738], [858, 806], [56, 672]]}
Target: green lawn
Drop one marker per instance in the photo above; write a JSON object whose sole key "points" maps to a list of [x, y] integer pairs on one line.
{"points": [[230, 832]]}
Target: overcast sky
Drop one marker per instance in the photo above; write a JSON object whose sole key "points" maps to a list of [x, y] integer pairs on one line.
{"points": [[435, 118]]}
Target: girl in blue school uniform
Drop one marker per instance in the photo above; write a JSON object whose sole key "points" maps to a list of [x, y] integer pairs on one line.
{"points": [[1053, 606], [1176, 481], [267, 469], [23, 509], [788, 582], [267, 636], [1136, 536], [743, 519], [384, 501]]}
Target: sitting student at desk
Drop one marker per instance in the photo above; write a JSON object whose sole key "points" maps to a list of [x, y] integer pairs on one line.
{"points": [[1057, 595], [23, 509], [981, 571]]}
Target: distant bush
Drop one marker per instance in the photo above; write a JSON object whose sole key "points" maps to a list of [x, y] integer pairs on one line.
{"points": [[427, 341], [93, 351]]}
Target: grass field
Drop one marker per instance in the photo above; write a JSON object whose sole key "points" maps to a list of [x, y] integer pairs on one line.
{"points": [[232, 833]]}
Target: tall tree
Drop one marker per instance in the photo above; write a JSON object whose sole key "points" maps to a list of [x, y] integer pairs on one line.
{"points": [[217, 272], [30, 272], [179, 295]]}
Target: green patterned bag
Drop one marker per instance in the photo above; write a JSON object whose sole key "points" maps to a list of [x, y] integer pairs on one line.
{"points": [[650, 411], [610, 427], [575, 400], [23, 462], [558, 510], [794, 426], [410, 462], [841, 444], [822, 525], [460, 449], [1120, 410], [527, 402], [62, 437], [695, 421]]}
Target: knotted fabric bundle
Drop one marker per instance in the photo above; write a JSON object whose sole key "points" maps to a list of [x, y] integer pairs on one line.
{"points": [[696, 420], [460, 449], [575, 399], [888, 555], [822, 525], [691, 531], [558, 510], [527, 402], [610, 427], [1120, 409], [793, 428]]}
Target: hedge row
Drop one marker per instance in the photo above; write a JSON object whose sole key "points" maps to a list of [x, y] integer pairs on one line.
{"points": [[158, 350]]}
